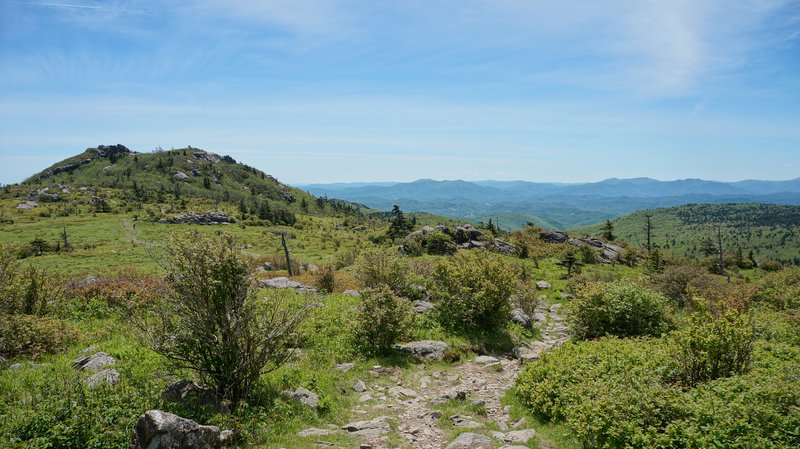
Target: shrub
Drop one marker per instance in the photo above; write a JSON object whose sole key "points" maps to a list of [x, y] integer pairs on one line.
{"points": [[34, 335], [439, 243], [213, 323], [379, 268], [473, 290], [525, 297], [781, 290], [618, 308], [769, 265], [586, 254], [711, 347], [382, 320], [344, 258], [681, 283], [325, 279]]}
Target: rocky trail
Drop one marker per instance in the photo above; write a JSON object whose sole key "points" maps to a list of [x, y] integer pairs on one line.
{"points": [[414, 404]]}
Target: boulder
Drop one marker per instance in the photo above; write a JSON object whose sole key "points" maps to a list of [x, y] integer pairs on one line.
{"points": [[425, 349], [467, 233], [464, 421], [358, 228], [470, 440], [543, 285], [421, 306], [206, 156], [94, 362], [360, 387], [191, 394], [306, 397], [369, 429], [554, 236], [344, 367], [181, 176], [519, 436], [284, 282], [161, 430], [504, 247], [520, 317], [108, 150], [353, 293], [108, 377], [208, 218]]}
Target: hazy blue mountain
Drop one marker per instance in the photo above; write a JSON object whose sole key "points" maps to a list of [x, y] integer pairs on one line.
{"points": [[555, 204]]}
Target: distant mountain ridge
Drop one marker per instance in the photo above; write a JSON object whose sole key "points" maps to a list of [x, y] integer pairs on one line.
{"points": [[555, 204]]}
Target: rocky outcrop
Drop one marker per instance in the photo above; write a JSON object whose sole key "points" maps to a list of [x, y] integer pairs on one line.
{"points": [[94, 362], [208, 157], [181, 176], [606, 252], [554, 236], [208, 218], [424, 349], [62, 168], [284, 282], [161, 430], [462, 237], [108, 150]]}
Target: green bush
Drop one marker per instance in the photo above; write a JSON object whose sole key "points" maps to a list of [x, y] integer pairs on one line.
{"points": [[344, 258], [383, 319], [710, 347], [681, 283], [325, 279], [618, 394], [781, 290], [33, 335], [618, 308], [769, 265], [473, 290], [378, 268], [439, 243], [214, 323]]}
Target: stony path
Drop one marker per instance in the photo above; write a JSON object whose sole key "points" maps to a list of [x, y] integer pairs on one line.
{"points": [[407, 401]]}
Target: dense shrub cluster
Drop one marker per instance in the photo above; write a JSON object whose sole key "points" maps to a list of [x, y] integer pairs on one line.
{"points": [[617, 393], [681, 283], [378, 268], [473, 291], [618, 308], [781, 290], [383, 319]]}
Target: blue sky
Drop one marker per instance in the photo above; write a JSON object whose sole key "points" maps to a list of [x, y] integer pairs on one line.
{"points": [[327, 91]]}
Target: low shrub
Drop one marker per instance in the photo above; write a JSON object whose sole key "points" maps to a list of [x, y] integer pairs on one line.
{"points": [[383, 319], [620, 308], [681, 283], [781, 290], [378, 268], [473, 291], [325, 279], [712, 346], [33, 335], [439, 243], [344, 258]]}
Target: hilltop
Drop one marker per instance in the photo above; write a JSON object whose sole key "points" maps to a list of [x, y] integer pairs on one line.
{"points": [[770, 231]]}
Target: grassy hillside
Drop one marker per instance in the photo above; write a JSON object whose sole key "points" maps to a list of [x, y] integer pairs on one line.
{"points": [[770, 231]]}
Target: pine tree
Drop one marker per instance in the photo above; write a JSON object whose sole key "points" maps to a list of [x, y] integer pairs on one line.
{"points": [[608, 231], [399, 226]]}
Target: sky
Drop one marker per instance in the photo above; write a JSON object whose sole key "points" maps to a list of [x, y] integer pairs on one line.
{"points": [[315, 91]]}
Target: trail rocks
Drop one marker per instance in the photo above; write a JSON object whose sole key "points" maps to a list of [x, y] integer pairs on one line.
{"points": [[108, 377], [485, 359], [314, 432], [520, 317], [427, 349], [94, 362], [161, 430], [464, 421], [519, 436], [470, 441], [284, 282], [369, 429], [345, 367], [208, 218], [360, 387]]}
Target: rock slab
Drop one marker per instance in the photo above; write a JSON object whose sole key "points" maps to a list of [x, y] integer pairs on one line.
{"points": [[161, 430]]}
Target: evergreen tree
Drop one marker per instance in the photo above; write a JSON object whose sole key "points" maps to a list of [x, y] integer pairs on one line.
{"points": [[570, 262], [399, 226], [608, 231]]}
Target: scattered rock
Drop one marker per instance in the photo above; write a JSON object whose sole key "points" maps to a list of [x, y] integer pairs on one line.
{"points": [[486, 359], [365, 398], [515, 446], [522, 422], [192, 394], [519, 436], [284, 282], [314, 432], [369, 429], [108, 377], [520, 317], [464, 421], [181, 176], [208, 218], [501, 425], [353, 293], [543, 285], [360, 387], [530, 352], [447, 397], [402, 392], [94, 362], [423, 306], [267, 267], [504, 247], [161, 430], [470, 440], [427, 349], [306, 397], [345, 367]]}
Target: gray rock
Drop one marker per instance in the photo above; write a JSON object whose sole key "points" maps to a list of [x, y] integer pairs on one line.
{"points": [[94, 362], [470, 440], [161, 430], [402, 392], [369, 429], [526, 353], [501, 425], [207, 156], [425, 349], [464, 421], [181, 176], [447, 397], [515, 446], [519, 436], [314, 432], [520, 317], [306, 397], [555, 307], [345, 367], [89, 280], [192, 394], [225, 437], [267, 267], [284, 282], [485, 359], [353, 293], [365, 398], [358, 228], [467, 233], [360, 387], [522, 422], [423, 306], [542, 285], [554, 236], [208, 218], [108, 377], [540, 317]]}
